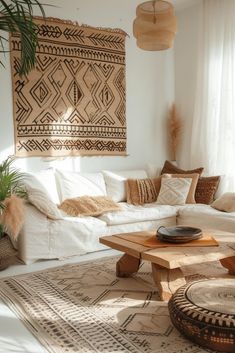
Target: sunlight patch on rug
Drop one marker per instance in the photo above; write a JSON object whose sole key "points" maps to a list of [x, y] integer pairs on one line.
{"points": [[85, 308]]}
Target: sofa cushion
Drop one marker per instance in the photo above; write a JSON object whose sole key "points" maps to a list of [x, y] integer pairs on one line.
{"points": [[204, 216], [45, 181], [115, 182], [132, 214], [74, 184], [225, 203], [153, 170]]}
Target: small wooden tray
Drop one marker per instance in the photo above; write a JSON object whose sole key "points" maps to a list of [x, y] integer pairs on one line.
{"points": [[150, 241]]}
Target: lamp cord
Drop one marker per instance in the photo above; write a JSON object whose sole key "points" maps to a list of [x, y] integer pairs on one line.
{"points": [[154, 11]]}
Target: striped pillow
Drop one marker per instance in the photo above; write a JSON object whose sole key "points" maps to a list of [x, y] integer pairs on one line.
{"points": [[141, 191]]}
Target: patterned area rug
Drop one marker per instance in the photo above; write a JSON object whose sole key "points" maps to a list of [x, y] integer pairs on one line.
{"points": [[84, 308], [73, 103]]}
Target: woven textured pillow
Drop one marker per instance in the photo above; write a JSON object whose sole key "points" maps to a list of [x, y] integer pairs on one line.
{"points": [[174, 191], [140, 191], [206, 189], [191, 194], [170, 168], [88, 206]]}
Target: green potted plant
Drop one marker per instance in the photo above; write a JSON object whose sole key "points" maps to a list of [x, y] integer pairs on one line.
{"points": [[16, 16], [12, 194]]}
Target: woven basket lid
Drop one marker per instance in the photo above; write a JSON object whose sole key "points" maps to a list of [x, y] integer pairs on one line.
{"points": [[214, 295]]}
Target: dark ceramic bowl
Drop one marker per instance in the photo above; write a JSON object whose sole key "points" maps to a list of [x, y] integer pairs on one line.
{"points": [[178, 234]]}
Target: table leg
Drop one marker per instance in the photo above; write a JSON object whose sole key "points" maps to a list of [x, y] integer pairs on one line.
{"points": [[167, 280], [229, 263], [127, 265]]}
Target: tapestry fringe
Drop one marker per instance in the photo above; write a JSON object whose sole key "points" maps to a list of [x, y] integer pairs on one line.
{"points": [[75, 23]]}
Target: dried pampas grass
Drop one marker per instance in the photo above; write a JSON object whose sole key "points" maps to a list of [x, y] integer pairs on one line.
{"points": [[175, 129], [12, 217]]}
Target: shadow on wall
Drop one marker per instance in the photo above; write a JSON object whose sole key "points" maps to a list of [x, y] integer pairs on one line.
{"points": [[78, 164]]}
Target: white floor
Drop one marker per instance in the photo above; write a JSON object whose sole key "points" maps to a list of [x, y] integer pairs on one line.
{"points": [[14, 337]]}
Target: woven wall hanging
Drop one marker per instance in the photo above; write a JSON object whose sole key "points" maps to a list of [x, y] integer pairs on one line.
{"points": [[73, 102]]}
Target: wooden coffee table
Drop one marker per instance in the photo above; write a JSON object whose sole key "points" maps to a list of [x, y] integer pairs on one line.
{"points": [[167, 262]]}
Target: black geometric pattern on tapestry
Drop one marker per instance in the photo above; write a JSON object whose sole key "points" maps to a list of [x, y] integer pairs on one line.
{"points": [[51, 31], [77, 91], [71, 145]]}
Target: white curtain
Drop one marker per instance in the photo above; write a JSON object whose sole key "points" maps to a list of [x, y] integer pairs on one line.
{"points": [[213, 132]]}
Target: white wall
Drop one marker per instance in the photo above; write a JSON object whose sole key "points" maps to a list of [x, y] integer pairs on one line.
{"points": [[186, 46], [149, 84]]}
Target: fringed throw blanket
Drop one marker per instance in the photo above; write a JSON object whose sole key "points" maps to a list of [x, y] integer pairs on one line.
{"points": [[89, 206], [73, 102]]}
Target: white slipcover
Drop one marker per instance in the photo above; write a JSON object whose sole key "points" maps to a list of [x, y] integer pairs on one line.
{"points": [[205, 216], [42, 238], [133, 214]]}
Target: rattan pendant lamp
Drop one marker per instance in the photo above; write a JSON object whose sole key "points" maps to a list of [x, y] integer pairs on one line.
{"points": [[155, 25]]}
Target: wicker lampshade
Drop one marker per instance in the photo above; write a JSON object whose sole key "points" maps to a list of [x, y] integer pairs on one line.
{"points": [[155, 25]]}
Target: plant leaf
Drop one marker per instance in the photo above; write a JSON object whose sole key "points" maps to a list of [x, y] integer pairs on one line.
{"points": [[17, 17]]}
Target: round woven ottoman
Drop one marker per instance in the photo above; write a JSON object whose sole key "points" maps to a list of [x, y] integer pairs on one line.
{"points": [[204, 312]]}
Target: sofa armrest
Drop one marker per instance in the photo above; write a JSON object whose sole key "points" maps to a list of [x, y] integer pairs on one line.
{"points": [[34, 235]]}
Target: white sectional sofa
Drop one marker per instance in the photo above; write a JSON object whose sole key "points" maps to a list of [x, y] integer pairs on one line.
{"points": [[44, 238]]}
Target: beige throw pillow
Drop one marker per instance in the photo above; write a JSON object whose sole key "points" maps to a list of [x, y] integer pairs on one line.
{"points": [[141, 191], [174, 191], [194, 176], [226, 202], [88, 206]]}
